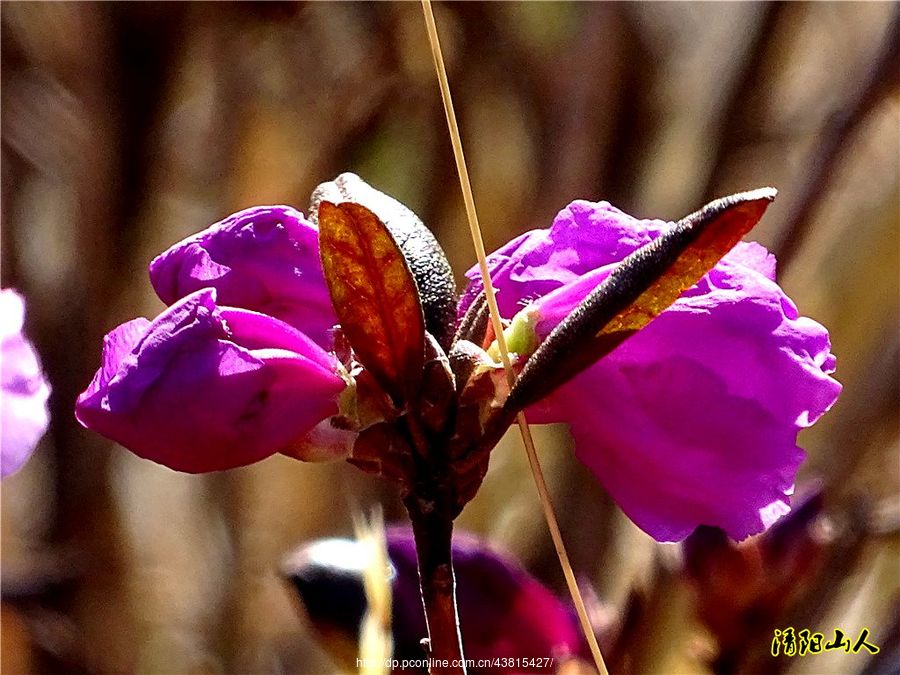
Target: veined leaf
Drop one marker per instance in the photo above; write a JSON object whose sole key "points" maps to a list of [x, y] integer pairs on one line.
{"points": [[430, 267], [640, 288], [374, 295]]}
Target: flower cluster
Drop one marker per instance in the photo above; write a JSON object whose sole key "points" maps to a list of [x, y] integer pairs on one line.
{"points": [[692, 421], [236, 369]]}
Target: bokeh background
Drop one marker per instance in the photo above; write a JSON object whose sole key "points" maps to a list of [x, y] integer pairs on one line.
{"points": [[128, 126]]}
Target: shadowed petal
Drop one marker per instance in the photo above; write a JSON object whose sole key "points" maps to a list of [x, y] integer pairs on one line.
{"points": [[264, 258]]}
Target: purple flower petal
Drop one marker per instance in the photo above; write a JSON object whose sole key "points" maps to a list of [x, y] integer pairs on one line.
{"points": [[583, 237], [675, 449], [257, 331], [189, 392], [23, 401], [737, 324], [264, 259], [693, 420]]}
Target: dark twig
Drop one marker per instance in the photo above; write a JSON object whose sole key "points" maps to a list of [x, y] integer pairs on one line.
{"points": [[882, 79], [740, 108], [432, 524]]}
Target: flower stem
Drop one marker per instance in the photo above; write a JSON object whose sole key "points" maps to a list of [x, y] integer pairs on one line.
{"points": [[433, 531], [490, 297]]}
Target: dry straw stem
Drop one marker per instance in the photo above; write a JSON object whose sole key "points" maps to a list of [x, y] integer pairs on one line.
{"points": [[475, 230], [376, 644]]}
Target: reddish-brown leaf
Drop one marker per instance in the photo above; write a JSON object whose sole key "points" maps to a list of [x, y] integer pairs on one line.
{"points": [[720, 226], [374, 295], [425, 257]]}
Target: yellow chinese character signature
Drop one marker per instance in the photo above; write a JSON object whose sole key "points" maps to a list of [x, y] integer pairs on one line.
{"points": [[790, 642]]}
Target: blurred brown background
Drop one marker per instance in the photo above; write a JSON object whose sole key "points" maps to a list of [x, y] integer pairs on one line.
{"points": [[128, 126]]}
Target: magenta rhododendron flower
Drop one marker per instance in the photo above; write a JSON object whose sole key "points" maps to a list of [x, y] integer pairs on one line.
{"points": [[264, 258], [206, 387], [684, 393], [693, 420], [23, 400]]}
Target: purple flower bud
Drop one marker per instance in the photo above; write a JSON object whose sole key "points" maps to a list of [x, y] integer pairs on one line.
{"points": [[264, 258], [504, 612], [25, 391], [693, 420], [204, 388]]}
